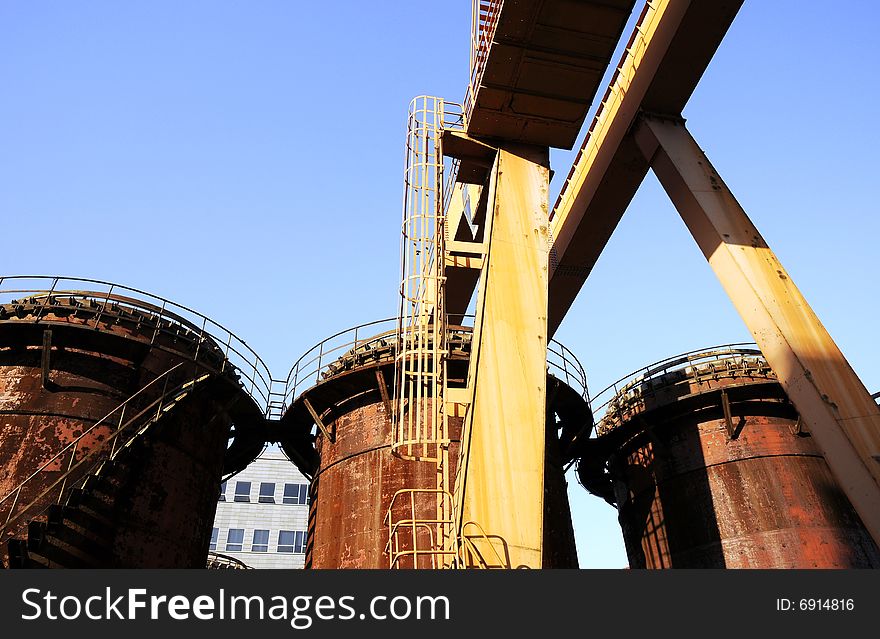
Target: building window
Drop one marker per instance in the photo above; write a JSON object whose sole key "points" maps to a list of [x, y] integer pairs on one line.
{"points": [[296, 493], [214, 533], [292, 541], [222, 492], [267, 493], [234, 539], [261, 541], [242, 491]]}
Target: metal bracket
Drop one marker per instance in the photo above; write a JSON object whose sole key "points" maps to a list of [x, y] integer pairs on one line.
{"points": [[459, 395], [327, 433], [468, 248], [728, 418], [46, 359], [383, 391], [733, 430], [798, 429]]}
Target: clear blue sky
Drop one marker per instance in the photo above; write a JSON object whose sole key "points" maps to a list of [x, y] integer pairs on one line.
{"points": [[245, 159]]}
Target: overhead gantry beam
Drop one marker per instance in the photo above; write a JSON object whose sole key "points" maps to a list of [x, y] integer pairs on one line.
{"points": [[670, 48], [832, 402], [538, 66]]}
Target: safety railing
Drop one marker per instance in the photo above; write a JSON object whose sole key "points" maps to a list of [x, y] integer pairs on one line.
{"points": [[115, 419], [104, 298], [728, 360], [217, 561], [406, 533], [473, 548], [564, 366], [355, 345], [321, 360], [453, 120], [484, 21], [308, 370], [617, 89]]}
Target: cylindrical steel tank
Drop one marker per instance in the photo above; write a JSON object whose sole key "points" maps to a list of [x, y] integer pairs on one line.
{"points": [[355, 475], [68, 360], [710, 467], [356, 481]]}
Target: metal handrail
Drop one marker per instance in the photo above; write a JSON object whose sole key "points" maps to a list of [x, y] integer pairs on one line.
{"points": [[254, 374], [467, 541], [617, 88], [414, 524], [453, 120], [218, 561], [484, 21], [141, 418], [309, 369], [627, 384]]}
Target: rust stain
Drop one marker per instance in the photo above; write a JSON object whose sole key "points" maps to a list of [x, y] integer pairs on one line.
{"points": [[691, 495], [163, 496]]}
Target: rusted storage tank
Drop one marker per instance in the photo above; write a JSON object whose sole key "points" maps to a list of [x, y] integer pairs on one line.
{"points": [[115, 423], [354, 474], [710, 467]]}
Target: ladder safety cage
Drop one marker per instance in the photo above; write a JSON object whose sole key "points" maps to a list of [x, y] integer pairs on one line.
{"points": [[419, 422]]}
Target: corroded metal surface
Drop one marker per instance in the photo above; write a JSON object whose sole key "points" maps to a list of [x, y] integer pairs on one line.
{"points": [[165, 510], [354, 486], [696, 487], [357, 476], [100, 357], [36, 423]]}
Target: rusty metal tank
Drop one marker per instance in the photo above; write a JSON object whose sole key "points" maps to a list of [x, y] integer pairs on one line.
{"points": [[86, 376], [354, 474], [710, 466]]}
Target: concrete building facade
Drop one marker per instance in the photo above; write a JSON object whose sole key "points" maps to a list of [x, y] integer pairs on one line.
{"points": [[262, 514]]}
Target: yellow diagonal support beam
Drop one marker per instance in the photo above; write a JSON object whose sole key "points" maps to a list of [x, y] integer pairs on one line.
{"points": [[832, 401]]}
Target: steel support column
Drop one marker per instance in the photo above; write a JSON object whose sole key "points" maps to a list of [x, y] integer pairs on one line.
{"points": [[832, 401], [500, 484]]}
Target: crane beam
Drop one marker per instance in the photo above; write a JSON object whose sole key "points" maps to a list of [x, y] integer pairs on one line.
{"points": [[536, 66], [832, 402], [670, 48]]}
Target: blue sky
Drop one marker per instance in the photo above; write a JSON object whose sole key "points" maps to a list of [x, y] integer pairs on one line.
{"points": [[245, 159]]}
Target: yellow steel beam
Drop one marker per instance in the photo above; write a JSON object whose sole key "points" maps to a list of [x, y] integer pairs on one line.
{"points": [[831, 400], [667, 54], [500, 484]]}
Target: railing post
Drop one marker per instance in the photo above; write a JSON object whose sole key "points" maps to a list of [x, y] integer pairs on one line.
{"points": [[320, 358], [162, 397], [201, 338], [565, 365], [158, 323], [104, 305], [118, 429], [69, 466], [12, 508], [226, 353]]}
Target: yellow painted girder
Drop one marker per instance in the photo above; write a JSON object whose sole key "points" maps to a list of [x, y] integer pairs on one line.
{"points": [[500, 484], [830, 398]]}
